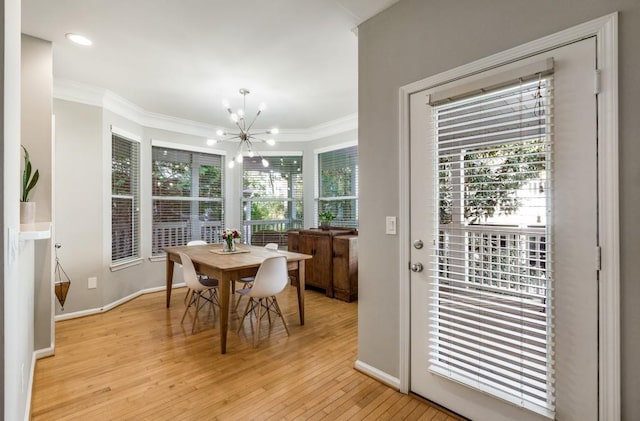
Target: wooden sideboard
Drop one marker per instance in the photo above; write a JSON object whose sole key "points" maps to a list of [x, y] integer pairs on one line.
{"points": [[334, 267]]}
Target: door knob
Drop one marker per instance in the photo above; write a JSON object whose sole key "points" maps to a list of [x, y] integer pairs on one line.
{"points": [[417, 267]]}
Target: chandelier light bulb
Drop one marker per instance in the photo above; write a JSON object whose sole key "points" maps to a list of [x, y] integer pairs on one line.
{"points": [[265, 163], [234, 117], [225, 104], [240, 113], [275, 130], [251, 154], [271, 142], [262, 107], [220, 132], [211, 142], [232, 163], [239, 158]]}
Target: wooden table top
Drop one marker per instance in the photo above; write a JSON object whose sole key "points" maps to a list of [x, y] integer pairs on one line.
{"points": [[232, 261]]}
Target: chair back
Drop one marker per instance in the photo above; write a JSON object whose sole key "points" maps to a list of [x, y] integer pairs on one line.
{"points": [[197, 243], [189, 273], [271, 246], [271, 279]]}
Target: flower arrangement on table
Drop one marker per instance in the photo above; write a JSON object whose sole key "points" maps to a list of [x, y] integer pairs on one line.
{"points": [[229, 236]]}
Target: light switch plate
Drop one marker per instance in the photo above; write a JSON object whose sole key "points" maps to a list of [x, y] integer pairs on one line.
{"points": [[391, 225]]}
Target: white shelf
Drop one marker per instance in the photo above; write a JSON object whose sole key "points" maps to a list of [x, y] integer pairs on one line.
{"points": [[37, 231]]}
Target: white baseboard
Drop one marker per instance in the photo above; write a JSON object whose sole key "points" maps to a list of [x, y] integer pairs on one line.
{"points": [[88, 312], [377, 374], [44, 352]]}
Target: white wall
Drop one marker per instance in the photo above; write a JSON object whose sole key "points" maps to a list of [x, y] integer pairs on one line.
{"points": [[36, 110], [415, 39], [18, 314]]}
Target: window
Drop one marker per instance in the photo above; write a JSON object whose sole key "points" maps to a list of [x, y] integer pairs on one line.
{"points": [[125, 199], [272, 199], [338, 185], [492, 310], [187, 197]]}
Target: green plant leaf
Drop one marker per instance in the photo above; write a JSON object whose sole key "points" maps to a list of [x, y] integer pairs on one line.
{"points": [[32, 184]]}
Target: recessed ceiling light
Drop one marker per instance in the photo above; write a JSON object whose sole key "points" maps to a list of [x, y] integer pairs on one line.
{"points": [[78, 39]]}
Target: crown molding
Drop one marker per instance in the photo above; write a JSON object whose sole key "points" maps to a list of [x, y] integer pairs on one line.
{"points": [[73, 91]]}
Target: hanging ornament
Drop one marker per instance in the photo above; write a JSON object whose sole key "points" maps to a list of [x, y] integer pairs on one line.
{"points": [[62, 281]]}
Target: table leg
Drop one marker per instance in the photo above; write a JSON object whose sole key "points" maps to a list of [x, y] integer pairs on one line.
{"points": [[301, 291], [224, 289], [170, 264]]}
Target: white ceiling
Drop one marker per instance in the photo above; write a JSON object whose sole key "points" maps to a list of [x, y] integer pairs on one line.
{"points": [[183, 57]]}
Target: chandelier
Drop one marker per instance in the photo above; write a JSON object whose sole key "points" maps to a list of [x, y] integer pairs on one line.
{"points": [[244, 134]]}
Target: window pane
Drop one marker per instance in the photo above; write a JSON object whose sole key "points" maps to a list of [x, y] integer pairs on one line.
{"points": [[272, 198], [123, 241], [171, 172], [187, 197], [125, 222], [338, 185]]}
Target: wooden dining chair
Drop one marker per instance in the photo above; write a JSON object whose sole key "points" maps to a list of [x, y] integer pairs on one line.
{"points": [[198, 290], [271, 279]]}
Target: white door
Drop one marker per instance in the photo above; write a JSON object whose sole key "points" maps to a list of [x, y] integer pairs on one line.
{"points": [[504, 317]]}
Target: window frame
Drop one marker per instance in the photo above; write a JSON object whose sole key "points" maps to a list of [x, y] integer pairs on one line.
{"points": [[291, 200], [317, 180], [189, 149], [136, 257]]}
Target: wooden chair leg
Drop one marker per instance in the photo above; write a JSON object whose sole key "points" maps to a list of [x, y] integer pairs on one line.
{"points": [[275, 301], [244, 315], [195, 318], [186, 308], [256, 335]]}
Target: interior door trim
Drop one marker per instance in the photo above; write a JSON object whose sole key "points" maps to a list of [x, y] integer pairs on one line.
{"points": [[605, 30]]}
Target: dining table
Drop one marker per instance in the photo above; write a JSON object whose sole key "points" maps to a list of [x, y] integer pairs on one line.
{"points": [[227, 267]]}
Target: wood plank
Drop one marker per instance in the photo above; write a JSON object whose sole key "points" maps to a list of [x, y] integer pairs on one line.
{"points": [[138, 362]]}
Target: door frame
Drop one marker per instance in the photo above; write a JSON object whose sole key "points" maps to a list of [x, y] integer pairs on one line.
{"points": [[605, 30]]}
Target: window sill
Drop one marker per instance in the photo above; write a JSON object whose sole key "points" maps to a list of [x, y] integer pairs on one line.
{"points": [[161, 258], [126, 264]]}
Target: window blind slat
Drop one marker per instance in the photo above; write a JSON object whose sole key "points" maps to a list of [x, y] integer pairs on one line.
{"points": [[490, 318]]}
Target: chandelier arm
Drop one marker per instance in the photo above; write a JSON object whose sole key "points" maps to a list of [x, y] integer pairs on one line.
{"points": [[259, 138], [254, 120]]}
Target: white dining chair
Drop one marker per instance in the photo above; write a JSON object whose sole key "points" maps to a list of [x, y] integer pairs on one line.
{"points": [[271, 279], [198, 289], [247, 281], [203, 278]]}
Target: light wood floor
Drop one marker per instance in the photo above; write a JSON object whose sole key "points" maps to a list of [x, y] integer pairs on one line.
{"points": [[138, 362]]}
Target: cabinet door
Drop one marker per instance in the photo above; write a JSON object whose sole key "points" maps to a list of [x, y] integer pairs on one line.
{"points": [[345, 267], [318, 269]]}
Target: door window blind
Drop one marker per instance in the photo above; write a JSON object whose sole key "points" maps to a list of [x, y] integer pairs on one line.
{"points": [[338, 185], [125, 199], [272, 198], [187, 197], [491, 315]]}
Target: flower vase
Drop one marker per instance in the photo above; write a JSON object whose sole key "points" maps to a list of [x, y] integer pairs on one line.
{"points": [[229, 246]]}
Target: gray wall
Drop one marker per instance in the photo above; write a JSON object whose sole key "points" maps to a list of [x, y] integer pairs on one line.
{"points": [[82, 170], [415, 39], [36, 136]]}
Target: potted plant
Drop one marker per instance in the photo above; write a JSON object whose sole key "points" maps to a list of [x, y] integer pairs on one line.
{"points": [[29, 181], [325, 219]]}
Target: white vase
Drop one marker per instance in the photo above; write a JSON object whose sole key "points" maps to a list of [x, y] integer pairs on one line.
{"points": [[27, 212]]}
